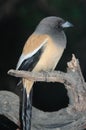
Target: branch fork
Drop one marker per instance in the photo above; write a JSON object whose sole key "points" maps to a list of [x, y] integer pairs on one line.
{"points": [[74, 116]]}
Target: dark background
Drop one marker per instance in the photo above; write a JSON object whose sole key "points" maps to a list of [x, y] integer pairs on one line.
{"points": [[18, 19]]}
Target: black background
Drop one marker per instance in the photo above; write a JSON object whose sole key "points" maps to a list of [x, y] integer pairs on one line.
{"points": [[18, 19]]}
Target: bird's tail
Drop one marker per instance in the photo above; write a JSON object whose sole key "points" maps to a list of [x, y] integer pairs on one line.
{"points": [[26, 105]]}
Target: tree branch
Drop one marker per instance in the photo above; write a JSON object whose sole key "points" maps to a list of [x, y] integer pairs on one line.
{"points": [[73, 117], [73, 81]]}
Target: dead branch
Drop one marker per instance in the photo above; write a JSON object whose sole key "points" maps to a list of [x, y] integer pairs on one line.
{"points": [[54, 76], [73, 81], [73, 117]]}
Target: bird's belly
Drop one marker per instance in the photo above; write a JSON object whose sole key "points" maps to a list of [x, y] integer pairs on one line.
{"points": [[50, 58]]}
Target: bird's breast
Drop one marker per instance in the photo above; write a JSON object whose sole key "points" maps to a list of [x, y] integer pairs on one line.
{"points": [[50, 56]]}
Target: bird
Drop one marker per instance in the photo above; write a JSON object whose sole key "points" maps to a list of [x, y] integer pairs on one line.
{"points": [[41, 52]]}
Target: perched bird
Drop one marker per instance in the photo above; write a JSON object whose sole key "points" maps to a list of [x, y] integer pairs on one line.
{"points": [[42, 51]]}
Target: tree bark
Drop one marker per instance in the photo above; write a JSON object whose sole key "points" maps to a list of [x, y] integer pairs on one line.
{"points": [[73, 117]]}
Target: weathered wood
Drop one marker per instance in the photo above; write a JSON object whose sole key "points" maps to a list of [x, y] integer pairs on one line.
{"points": [[60, 120], [73, 81], [73, 117], [9, 105], [54, 76]]}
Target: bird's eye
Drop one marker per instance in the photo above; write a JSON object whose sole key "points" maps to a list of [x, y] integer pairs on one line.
{"points": [[59, 25]]}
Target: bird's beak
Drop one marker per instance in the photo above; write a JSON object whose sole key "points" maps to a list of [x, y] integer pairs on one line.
{"points": [[67, 24]]}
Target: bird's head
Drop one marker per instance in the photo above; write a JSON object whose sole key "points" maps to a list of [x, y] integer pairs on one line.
{"points": [[51, 23]]}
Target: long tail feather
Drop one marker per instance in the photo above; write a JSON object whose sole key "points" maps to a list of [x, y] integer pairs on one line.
{"points": [[26, 111]]}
